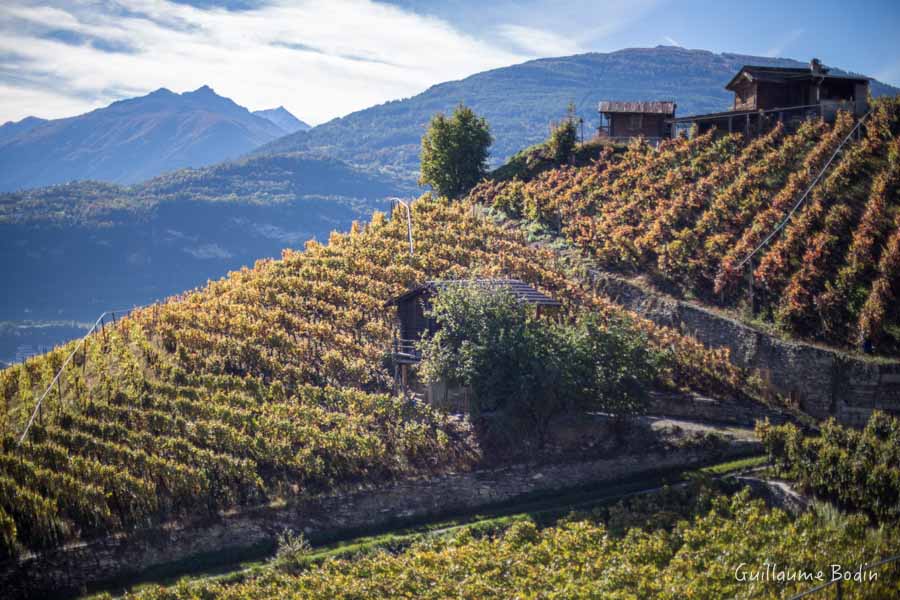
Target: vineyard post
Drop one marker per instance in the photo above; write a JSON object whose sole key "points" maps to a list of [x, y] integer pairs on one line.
{"points": [[408, 220], [751, 299]]}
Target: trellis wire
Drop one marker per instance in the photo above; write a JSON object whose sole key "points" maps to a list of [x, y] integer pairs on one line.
{"points": [[799, 202], [56, 378]]}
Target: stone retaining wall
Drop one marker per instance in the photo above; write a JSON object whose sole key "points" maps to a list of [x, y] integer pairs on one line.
{"points": [[824, 382], [68, 570], [722, 410]]}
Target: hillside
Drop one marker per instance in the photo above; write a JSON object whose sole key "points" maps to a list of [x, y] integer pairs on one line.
{"points": [[269, 384], [520, 101], [686, 216], [109, 245], [131, 140]]}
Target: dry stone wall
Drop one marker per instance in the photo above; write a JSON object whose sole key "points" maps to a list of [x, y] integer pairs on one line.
{"points": [[824, 382]]}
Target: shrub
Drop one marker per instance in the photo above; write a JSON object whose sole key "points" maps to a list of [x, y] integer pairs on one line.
{"points": [[532, 369]]}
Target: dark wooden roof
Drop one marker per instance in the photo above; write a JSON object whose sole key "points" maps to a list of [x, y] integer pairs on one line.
{"points": [[517, 288], [657, 107], [788, 74]]}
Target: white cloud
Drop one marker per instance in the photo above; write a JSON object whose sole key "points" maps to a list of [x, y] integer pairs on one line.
{"points": [[318, 59], [671, 41], [539, 42], [782, 44]]}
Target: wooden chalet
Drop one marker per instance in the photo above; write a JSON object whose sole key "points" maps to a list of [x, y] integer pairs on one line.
{"points": [[626, 120], [413, 324], [766, 95]]}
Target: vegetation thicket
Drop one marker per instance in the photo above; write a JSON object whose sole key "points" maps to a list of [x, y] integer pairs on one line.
{"points": [[689, 212]]}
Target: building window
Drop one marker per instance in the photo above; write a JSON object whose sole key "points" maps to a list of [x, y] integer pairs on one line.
{"points": [[635, 121]]}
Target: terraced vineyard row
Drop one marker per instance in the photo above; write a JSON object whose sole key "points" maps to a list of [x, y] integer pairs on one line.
{"points": [[691, 211], [269, 383], [719, 550]]}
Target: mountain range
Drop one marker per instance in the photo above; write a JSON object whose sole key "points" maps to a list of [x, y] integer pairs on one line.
{"points": [[135, 139], [521, 101]]}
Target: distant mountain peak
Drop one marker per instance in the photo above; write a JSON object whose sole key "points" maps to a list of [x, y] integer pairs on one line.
{"points": [[283, 118], [204, 89], [131, 139]]}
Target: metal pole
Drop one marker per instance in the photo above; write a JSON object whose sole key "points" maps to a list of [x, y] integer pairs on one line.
{"points": [[408, 221]]}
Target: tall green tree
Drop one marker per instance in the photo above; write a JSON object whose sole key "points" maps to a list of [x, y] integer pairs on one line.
{"points": [[455, 151], [564, 137]]}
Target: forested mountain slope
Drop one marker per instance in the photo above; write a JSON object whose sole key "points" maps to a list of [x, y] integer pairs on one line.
{"points": [[110, 245], [520, 101], [269, 383], [131, 140], [688, 215]]}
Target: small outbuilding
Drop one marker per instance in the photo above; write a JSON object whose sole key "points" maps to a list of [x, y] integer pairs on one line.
{"points": [[766, 95], [625, 120]]}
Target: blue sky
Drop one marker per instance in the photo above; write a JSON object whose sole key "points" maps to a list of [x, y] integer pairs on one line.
{"points": [[325, 59]]}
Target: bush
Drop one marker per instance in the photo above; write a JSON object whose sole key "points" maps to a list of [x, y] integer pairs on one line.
{"points": [[532, 369]]}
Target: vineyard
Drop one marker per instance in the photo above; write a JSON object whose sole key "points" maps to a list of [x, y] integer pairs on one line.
{"points": [[857, 470], [269, 384], [711, 554], [690, 213]]}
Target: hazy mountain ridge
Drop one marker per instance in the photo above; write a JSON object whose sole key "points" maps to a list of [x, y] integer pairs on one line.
{"points": [[261, 180], [283, 118], [13, 129], [520, 101], [108, 244], [132, 140]]}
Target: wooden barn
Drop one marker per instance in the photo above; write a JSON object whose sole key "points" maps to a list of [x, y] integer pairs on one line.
{"points": [[625, 120], [413, 323], [766, 95]]}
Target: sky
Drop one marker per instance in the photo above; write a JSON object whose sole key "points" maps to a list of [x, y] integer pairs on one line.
{"points": [[324, 59]]}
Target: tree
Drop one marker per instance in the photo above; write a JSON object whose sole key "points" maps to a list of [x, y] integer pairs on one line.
{"points": [[532, 369], [454, 152], [564, 136]]}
